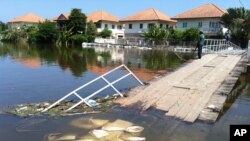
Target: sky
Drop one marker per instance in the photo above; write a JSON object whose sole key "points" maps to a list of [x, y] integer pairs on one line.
{"points": [[10, 9]]}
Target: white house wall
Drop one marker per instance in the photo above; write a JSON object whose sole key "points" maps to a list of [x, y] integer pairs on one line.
{"points": [[194, 23], [136, 26], [22, 24], [115, 32]]}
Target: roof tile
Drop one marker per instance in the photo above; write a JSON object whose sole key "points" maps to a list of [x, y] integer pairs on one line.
{"points": [[102, 16], [148, 15], [30, 17], [203, 11]]}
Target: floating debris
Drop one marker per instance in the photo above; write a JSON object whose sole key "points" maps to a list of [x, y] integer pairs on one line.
{"points": [[98, 105], [99, 133], [118, 130], [118, 124], [136, 139], [134, 129], [66, 137], [88, 123]]}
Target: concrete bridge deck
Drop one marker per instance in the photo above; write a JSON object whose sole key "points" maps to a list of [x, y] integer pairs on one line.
{"points": [[186, 92]]}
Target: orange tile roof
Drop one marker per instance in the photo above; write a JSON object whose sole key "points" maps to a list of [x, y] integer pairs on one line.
{"points": [[203, 11], [30, 17], [148, 15], [102, 16]]}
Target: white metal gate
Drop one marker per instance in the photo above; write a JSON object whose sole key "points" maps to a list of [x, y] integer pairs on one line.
{"points": [[85, 100]]}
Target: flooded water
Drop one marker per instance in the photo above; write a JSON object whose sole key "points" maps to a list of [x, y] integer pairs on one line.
{"points": [[42, 73]]}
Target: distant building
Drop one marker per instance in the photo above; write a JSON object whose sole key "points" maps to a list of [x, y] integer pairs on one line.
{"points": [[26, 20], [206, 17], [137, 24], [103, 20], [61, 19]]}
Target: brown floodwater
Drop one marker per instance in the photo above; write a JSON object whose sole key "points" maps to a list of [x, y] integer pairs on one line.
{"points": [[42, 73]]}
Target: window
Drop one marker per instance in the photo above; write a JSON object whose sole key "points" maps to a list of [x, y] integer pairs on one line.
{"points": [[184, 25], [106, 25], [130, 26], [150, 25], [160, 25], [119, 26], [167, 26], [211, 24], [200, 24], [141, 26], [98, 25], [113, 26], [217, 25]]}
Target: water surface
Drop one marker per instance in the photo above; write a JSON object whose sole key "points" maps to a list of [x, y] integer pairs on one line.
{"points": [[41, 73]]}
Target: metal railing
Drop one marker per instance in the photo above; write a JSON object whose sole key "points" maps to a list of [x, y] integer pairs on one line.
{"points": [[217, 45], [85, 100]]}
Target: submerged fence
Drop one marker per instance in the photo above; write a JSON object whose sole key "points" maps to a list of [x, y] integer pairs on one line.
{"points": [[102, 77]]}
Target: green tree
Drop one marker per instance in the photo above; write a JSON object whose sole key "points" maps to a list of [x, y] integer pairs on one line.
{"points": [[77, 21], [191, 35], [237, 21], [31, 32], [3, 26], [105, 33], [156, 35], [64, 37], [175, 36], [91, 29], [46, 32]]}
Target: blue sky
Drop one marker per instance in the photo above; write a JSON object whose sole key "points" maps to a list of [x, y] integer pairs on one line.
{"points": [[120, 8]]}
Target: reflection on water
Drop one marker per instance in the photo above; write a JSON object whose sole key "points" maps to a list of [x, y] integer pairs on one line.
{"points": [[40, 73], [79, 60]]}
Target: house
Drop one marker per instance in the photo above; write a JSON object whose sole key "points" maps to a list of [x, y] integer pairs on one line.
{"points": [[104, 20], [61, 19], [137, 24], [205, 17], [29, 19]]}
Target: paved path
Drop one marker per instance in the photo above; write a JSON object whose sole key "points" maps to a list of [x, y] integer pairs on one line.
{"points": [[184, 93]]}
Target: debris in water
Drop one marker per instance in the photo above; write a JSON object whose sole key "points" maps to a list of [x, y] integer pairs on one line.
{"points": [[66, 137], [99, 133], [134, 129], [97, 105], [136, 139], [88, 123], [118, 124]]}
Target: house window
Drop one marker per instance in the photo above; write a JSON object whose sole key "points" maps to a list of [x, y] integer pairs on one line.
{"points": [[130, 26], [141, 26], [150, 25], [184, 25], [217, 25], [211, 24], [106, 25], [200, 25], [113, 26], [98, 25], [160, 25], [167, 26], [119, 26]]}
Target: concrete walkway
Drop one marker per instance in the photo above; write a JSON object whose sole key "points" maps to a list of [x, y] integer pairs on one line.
{"points": [[184, 93]]}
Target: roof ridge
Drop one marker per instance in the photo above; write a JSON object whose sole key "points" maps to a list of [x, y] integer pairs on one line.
{"points": [[156, 14], [222, 10]]}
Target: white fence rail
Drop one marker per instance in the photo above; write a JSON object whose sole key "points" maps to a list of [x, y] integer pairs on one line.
{"points": [[218, 45], [85, 100], [214, 46]]}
